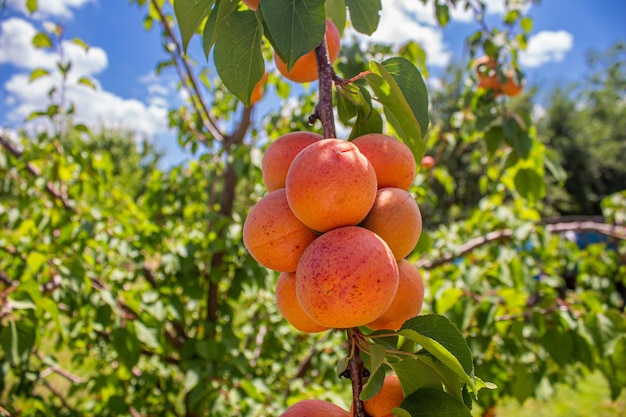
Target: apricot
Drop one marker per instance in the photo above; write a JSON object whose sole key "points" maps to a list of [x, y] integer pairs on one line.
{"points": [[393, 161], [428, 162], [330, 184], [484, 66], [305, 68], [346, 278], [314, 408], [289, 306], [397, 219], [389, 397], [512, 87], [259, 90], [252, 4], [273, 235], [408, 300], [280, 154]]}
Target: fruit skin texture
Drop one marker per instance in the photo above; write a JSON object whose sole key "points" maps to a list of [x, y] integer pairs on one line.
{"points": [[346, 278], [397, 219], [280, 154], [331, 184], [393, 161], [273, 235], [389, 397], [259, 90], [314, 408], [305, 68], [290, 308], [408, 300], [252, 4]]}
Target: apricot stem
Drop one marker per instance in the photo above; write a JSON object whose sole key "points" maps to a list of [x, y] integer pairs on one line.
{"points": [[324, 108]]}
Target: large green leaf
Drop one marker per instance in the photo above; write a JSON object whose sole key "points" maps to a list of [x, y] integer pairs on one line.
{"points": [[444, 341], [415, 374], [18, 338], [221, 9], [295, 27], [237, 53], [393, 96], [530, 184], [364, 15], [189, 14], [431, 402]]}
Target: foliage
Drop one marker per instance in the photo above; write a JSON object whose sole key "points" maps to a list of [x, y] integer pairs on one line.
{"points": [[132, 284]]}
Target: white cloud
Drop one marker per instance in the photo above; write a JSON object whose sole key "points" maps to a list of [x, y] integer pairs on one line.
{"points": [[95, 108], [50, 8], [547, 46]]}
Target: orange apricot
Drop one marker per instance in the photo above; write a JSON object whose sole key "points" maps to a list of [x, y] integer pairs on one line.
{"points": [[408, 300], [280, 154], [389, 397], [397, 219], [330, 184], [290, 308], [259, 89], [428, 162], [393, 161], [273, 235], [346, 278], [252, 4], [512, 86], [305, 68], [484, 66], [314, 408]]}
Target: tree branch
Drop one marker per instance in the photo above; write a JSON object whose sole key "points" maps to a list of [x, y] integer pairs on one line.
{"points": [[355, 367], [324, 108], [614, 231]]}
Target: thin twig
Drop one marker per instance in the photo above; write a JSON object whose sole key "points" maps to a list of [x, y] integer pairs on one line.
{"points": [[58, 370]]}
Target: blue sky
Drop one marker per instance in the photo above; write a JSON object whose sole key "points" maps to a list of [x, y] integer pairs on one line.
{"points": [[122, 55]]}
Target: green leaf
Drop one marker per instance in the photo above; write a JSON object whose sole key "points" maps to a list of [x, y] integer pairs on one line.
{"points": [[516, 137], [221, 9], [81, 43], [127, 346], [443, 340], [377, 357], [527, 24], [530, 184], [400, 114], [415, 374], [42, 40], [18, 339], [442, 12], [364, 15], [493, 139], [189, 14], [336, 12], [237, 54], [430, 402], [373, 385], [31, 6], [295, 27], [35, 261], [37, 73], [86, 81]]}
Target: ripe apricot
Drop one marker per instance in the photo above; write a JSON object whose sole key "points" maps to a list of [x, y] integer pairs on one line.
{"points": [[330, 184], [396, 218], [259, 90], [290, 308], [252, 4], [314, 408], [280, 154], [393, 161], [389, 397], [484, 66], [512, 86], [305, 68], [347, 277], [408, 300], [428, 162], [273, 235]]}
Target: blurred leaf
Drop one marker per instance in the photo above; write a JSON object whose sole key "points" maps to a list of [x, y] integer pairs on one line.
{"points": [[189, 14], [42, 40], [364, 15]]}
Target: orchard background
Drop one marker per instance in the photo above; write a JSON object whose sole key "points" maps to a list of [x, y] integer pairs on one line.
{"points": [[126, 288]]}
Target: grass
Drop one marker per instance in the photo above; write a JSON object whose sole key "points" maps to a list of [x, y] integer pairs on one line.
{"points": [[590, 398]]}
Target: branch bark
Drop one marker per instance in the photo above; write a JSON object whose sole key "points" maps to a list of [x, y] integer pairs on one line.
{"points": [[324, 109], [614, 231], [355, 367]]}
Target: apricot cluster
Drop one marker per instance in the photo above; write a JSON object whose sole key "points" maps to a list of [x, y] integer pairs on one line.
{"points": [[485, 68], [338, 223]]}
